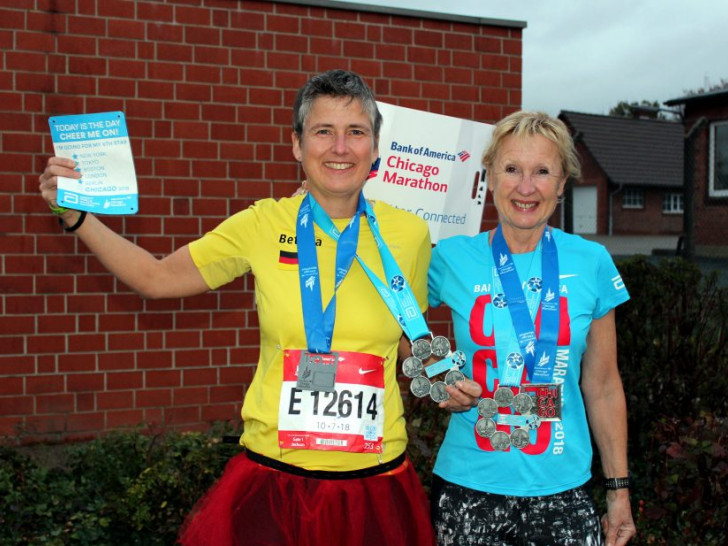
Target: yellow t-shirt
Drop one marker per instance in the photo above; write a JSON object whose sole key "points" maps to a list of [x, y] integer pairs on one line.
{"points": [[262, 239]]}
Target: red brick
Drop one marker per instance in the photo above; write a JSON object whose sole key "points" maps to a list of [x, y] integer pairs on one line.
{"points": [[190, 396], [153, 398], [170, 378], [203, 376], [220, 412], [11, 386], [80, 382], [115, 400], [16, 405], [44, 384], [76, 363], [54, 403], [124, 380], [124, 418], [85, 422]]}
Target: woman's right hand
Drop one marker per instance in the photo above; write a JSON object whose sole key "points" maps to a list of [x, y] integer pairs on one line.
{"points": [[48, 181]]}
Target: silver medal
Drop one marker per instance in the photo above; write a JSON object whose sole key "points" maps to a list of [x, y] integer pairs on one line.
{"points": [[440, 346], [453, 376], [520, 438], [412, 366], [500, 441], [438, 392], [503, 397], [422, 349], [485, 427], [487, 407], [420, 386], [523, 403]]}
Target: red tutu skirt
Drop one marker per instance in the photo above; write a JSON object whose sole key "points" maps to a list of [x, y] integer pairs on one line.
{"points": [[255, 505]]}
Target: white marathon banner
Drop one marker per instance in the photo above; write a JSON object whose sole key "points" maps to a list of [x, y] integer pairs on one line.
{"points": [[429, 164], [99, 143]]}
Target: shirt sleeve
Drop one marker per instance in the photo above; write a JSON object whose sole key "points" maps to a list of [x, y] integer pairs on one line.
{"points": [[611, 289], [436, 276], [223, 254]]}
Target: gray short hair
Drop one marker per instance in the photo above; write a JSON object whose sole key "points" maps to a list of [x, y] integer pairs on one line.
{"points": [[335, 83]]}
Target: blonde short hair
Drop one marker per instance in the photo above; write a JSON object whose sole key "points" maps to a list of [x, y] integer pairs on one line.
{"points": [[527, 123]]}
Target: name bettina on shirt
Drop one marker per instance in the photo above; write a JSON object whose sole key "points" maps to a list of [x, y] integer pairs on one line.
{"points": [[291, 239]]}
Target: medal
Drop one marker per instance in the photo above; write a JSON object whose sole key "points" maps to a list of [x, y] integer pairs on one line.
{"points": [[546, 400], [487, 407], [317, 372], [440, 346], [520, 438], [453, 376], [422, 349], [445, 361], [412, 366], [485, 428], [500, 441], [438, 392], [503, 397], [420, 386], [522, 403]]}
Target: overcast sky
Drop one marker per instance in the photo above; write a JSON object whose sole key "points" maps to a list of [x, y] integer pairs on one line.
{"points": [[587, 55]]}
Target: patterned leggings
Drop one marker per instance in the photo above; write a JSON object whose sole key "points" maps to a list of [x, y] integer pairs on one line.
{"points": [[465, 517]]}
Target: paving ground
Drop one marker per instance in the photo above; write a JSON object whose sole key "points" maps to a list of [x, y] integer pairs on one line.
{"points": [[630, 245], [622, 246]]}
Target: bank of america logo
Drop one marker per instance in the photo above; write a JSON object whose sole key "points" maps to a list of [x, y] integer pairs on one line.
{"points": [[464, 155]]}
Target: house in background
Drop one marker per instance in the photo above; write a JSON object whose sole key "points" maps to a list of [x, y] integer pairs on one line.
{"points": [[632, 177], [706, 122]]}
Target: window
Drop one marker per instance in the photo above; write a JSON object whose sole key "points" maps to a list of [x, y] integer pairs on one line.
{"points": [[633, 198], [718, 182], [672, 203]]}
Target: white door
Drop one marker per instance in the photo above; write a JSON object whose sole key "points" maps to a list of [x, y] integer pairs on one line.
{"points": [[585, 209]]}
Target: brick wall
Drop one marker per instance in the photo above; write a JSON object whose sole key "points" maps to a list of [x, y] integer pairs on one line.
{"points": [[711, 213], [649, 220], [207, 88]]}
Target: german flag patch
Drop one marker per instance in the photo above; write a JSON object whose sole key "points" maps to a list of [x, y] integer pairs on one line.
{"points": [[287, 259]]}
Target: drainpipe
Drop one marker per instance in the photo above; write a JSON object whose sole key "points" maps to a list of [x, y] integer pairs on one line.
{"points": [[611, 206], [689, 188]]}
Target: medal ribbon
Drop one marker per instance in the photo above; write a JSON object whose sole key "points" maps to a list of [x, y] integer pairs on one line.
{"points": [[396, 292], [319, 323], [542, 347]]}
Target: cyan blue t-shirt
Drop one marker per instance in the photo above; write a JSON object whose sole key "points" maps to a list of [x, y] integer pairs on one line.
{"points": [[462, 275]]}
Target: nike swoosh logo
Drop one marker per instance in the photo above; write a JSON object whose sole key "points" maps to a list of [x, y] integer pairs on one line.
{"points": [[362, 372], [568, 276]]}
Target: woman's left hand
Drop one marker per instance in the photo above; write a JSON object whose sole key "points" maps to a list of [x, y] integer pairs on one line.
{"points": [[617, 523], [463, 396]]}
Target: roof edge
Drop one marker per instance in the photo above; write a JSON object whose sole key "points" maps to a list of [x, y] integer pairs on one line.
{"points": [[696, 98], [420, 14]]}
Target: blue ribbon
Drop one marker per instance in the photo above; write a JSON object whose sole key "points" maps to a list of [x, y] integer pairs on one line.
{"points": [[539, 353], [395, 292]]}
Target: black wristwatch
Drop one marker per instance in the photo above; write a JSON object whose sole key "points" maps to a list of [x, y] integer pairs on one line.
{"points": [[618, 483]]}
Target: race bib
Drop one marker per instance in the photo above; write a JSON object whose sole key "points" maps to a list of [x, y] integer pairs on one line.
{"points": [[350, 417]]}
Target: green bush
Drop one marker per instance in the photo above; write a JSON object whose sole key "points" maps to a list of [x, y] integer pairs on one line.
{"points": [[127, 488], [672, 343], [686, 504], [673, 358]]}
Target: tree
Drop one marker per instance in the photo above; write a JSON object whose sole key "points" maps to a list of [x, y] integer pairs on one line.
{"points": [[709, 88], [648, 109]]}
